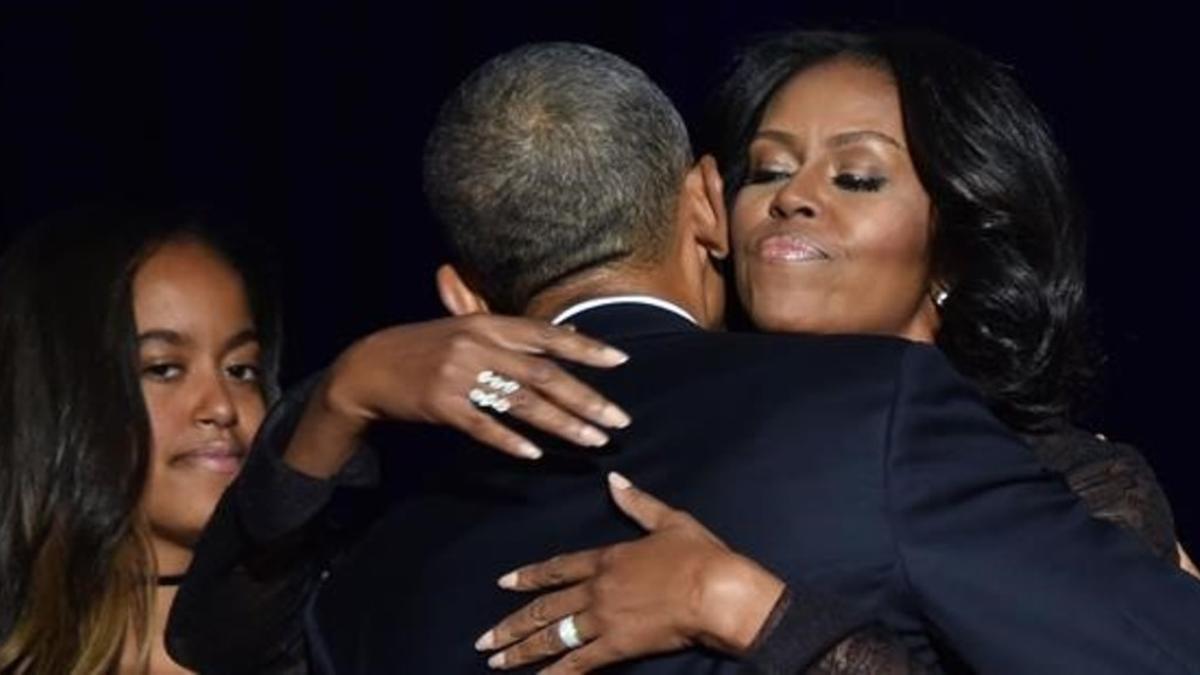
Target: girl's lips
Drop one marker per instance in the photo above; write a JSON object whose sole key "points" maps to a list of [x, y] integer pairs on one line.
{"points": [[218, 458]]}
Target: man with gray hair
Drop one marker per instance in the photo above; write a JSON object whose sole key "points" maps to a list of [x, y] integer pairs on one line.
{"points": [[564, 180], [552, 160]]}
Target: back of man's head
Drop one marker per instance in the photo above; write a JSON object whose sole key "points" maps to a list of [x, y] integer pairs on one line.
{"points": [[551, 160]]}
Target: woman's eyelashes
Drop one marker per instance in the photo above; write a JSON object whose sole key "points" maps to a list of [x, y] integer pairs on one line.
{"points": [[845, 180], [767, 174], [855, 182]]}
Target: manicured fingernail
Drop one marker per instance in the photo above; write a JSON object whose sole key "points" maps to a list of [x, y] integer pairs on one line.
{"points": [[485, 641], [615, 417], [592, 436], [529, 450], [508, 580], [613, 356], [569, 326], [497, 660], [618, 481]]}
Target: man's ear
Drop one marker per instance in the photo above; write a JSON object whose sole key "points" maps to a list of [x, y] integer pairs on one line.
{"points": [[457, 297], [704, 201]]}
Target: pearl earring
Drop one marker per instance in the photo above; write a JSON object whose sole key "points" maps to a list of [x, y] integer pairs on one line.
{"points": [[939, 297]]}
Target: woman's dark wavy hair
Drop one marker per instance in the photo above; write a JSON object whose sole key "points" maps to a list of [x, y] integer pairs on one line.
{"points": [[1007, 240], [74, 431]]}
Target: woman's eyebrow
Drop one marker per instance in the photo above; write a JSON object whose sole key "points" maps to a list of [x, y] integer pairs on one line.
{"points": [[850, 137]]}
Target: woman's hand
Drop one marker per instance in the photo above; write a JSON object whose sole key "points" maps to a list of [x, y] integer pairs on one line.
{"points": [[674, 588], [1185, 562], [425, 372]]}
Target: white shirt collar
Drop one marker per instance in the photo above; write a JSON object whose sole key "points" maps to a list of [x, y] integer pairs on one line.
{"points": [[621, 299]]}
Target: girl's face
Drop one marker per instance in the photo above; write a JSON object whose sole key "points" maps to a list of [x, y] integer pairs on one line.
{"points": [[198, 358], [831, 231]]}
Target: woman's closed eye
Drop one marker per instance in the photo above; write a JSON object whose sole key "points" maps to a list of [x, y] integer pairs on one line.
{"points": [[767, 174], [854, 182]]}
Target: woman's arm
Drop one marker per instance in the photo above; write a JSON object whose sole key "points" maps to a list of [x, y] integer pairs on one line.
{"points": [[272, 536], [677, 587], [425, 372]]}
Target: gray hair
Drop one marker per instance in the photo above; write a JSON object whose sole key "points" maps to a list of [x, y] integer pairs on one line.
{"points": [[553, 159]]}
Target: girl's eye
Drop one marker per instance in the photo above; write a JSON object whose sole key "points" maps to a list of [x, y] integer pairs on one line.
{"points": [[245, 372], [163, 371]]}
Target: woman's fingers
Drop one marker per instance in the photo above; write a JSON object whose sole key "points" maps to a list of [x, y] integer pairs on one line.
{"points": [[630, 599], [646, 509], [517, 336], [547, 641], [528, 335], [566, 568], [531, 407], [593, 655], [487, 430], [570, 393], [543, 611], [525, 404], [560, 391], [652, 513]]}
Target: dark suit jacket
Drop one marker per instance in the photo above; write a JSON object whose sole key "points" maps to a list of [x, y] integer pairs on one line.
{"points": [[861, 465]]}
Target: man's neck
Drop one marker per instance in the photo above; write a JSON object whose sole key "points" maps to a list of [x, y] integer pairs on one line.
{"points": [[604, 284]]}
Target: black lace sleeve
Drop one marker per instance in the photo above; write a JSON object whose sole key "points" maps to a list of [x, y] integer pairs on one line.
{"points": [[1112, 479], [807, 621], [873, 649], [1115, 482]]}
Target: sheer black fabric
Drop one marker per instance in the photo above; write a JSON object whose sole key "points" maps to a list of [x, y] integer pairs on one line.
{"points": [[1112, 479]]}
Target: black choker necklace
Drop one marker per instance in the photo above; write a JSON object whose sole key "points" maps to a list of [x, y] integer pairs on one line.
{"points": [[170, 579]]}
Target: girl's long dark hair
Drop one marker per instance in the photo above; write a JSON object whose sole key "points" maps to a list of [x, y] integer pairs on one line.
{"points": [[75, 571]]}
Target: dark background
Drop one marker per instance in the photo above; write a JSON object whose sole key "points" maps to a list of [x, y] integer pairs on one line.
{"points": [[307, 119]]}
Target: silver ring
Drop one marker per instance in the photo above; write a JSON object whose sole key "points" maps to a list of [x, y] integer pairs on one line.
{"points": [[497, 383], [496, 395], [568, 633], [487, 399]]}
